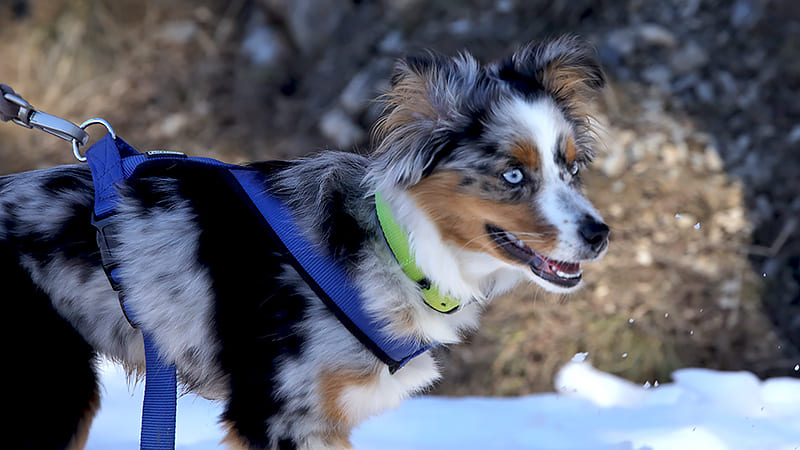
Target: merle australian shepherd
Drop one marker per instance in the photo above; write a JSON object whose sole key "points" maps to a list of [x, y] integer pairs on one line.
{"points": [[479, 164]]}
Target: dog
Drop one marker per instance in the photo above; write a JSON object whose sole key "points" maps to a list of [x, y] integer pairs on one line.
{"points": [[479, 164]]}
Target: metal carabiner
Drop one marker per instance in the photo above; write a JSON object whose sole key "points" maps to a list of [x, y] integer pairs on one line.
{"points": [[75, 143], [30, 117]]}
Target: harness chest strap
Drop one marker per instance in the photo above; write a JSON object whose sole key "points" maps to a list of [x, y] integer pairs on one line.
{"points": [[160, 390]]}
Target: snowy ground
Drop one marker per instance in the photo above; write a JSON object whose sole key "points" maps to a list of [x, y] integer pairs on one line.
{"points": [[699, 409]]}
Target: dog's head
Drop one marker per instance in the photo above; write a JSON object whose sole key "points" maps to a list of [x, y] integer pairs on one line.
{"points": [[492, 155]]}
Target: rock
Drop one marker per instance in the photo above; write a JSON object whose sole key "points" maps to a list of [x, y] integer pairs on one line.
{"points": [[460, 26], [622, 41], [745, 14], [504, 6], [704, 91], [614, 162], [658, 75], [365, 86], [337, 126], [610, 57], [674, 155], [691, 57], [654, 34], [263, 46], [794, 136], [688, 81], [177, 32], [643, 256], [727, 82], [689, 8], [311, 23], [392, 43], [174, 124], [713, 161]]}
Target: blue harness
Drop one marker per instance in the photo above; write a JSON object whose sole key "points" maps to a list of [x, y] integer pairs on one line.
{"points": [[112, 160]]}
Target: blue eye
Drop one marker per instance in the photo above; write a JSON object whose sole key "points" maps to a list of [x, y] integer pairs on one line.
{"points": [[574, 168], [513, 176]]}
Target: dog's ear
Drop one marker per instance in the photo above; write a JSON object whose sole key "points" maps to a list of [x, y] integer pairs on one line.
{"points": [[566, 68], [428, 95]]}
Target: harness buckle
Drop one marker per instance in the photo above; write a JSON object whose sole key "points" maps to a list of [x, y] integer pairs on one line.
{"points": [[30, 117], [106, 239]]}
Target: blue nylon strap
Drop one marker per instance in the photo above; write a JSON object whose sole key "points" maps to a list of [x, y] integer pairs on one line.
{"points": [[105, 159], [105, 162], [326, 273], [160, 400]]}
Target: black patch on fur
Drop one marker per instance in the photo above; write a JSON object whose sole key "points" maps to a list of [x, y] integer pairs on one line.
{"points": [[420, 64], [256, 315], [286, 444], [345, 236], [451, 140], [343, 233], [521, 78], [75, 237], [69, 179], [466, 181], [52, 375]]}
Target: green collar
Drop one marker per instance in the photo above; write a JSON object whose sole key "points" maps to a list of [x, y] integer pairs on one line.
{"points": [[397, 238]]}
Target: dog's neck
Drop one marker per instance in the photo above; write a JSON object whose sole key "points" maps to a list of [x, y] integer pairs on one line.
{"points": [[462, 274], [398, 240]]}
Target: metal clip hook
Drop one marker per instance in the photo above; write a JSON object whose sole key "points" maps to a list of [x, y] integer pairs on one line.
{"points": [[76, 144], [30, 117]]}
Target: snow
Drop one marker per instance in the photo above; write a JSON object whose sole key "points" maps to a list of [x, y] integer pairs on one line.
{"points": [[699, 409]]}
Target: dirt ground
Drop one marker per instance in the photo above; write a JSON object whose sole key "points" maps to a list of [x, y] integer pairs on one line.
{"points": [[698, 177]]}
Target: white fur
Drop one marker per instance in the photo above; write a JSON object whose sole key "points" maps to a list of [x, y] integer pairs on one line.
{"points": [[164, 281], [562, 205], [387, 390]]}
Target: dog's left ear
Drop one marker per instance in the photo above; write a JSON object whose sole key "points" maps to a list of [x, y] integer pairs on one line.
{"points": [[566, 68]]}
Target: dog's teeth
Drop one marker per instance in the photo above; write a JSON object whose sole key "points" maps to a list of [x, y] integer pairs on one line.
{"points": [[569, 275]]}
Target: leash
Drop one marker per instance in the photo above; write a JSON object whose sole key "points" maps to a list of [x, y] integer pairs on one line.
{"points": [[111, 161]]}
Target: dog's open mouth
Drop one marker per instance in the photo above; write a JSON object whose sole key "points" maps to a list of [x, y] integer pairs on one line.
{"points": [[562, 273]]}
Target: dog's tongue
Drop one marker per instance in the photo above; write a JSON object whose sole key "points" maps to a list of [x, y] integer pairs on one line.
{"points": [[554, 267]]}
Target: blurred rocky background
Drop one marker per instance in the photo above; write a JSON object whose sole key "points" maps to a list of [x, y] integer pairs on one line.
{"points": [[698, 178]]}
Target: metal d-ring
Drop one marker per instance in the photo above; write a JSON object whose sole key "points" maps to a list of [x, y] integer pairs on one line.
{"points": [[75, 143]]}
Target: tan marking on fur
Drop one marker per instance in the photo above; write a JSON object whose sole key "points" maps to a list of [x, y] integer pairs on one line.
{"points": [[340, 441], [331, 386], [462, 217], [526, 153], [332, 440], [406, 103], [570, 151], [232, 440], [404, 321], [81, 435], [568, 83]]}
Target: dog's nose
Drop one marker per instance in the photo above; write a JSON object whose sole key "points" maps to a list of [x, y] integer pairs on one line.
{"points": [[594, 233]]}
